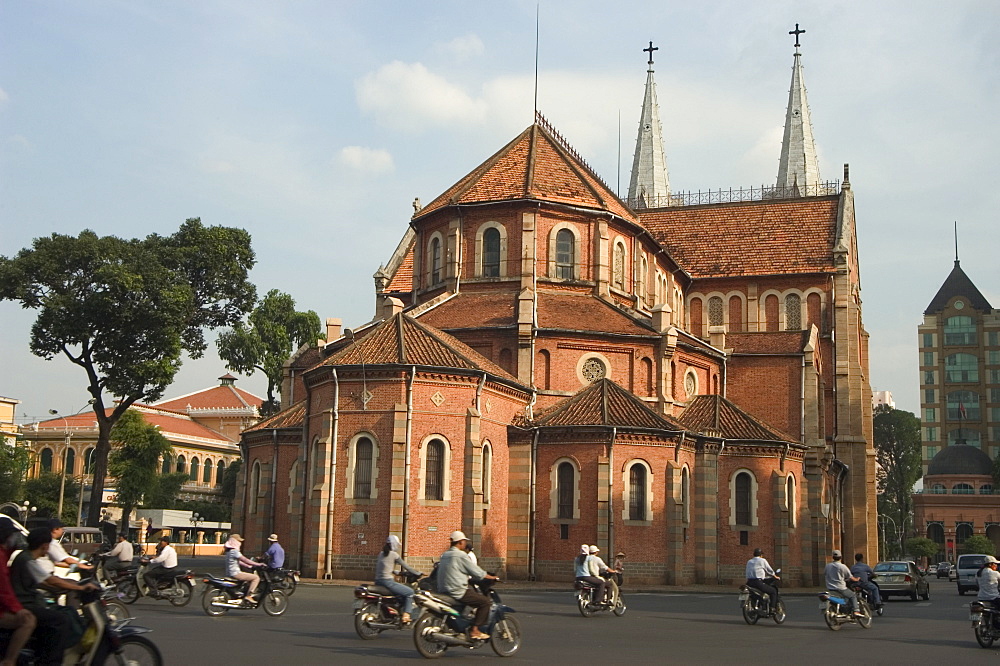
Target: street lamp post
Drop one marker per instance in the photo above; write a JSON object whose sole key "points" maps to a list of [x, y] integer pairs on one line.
{"points": [[195, 520], [68, 437], [895, 531]]}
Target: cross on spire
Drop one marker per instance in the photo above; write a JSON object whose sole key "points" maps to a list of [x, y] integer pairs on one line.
{"points": [[796, 32], [657, 48]]}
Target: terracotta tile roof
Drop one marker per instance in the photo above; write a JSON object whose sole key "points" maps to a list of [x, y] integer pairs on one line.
{"points": [[402, 340], [535, 165], [605, 403], [715, 416], [402, 280], [169, 422], [293, 417], [579, 311], [473, 310], [752, 238], [217, 397], [777, 342]]}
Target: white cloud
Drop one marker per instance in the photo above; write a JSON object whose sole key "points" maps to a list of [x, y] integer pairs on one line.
{"points": [[4, 97], [462, 48], [368, 160], [408, 96]]}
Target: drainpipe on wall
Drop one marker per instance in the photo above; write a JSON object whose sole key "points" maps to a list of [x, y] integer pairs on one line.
{"points": [[334, 423], [531, 507], [407, 457], [611, 493], [274, 480], [802, 404], [306, 466]]}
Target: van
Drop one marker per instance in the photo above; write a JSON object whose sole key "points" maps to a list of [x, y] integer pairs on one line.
{"points": [[85, 541], [966, 569]]}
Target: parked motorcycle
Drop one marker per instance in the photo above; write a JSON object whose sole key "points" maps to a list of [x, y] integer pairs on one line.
{"points": [[104, 639], [588, 606], [835, 609], [178, 589], [756, 604], [444, 624], [222, 595], [377, 609], [985, 622]]}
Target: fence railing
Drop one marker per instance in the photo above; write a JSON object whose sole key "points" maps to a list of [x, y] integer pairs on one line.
{"points": [[736, 195]]}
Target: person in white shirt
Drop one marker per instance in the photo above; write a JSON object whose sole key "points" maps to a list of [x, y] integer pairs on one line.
{"points": [[160, 567], [837, 575], [599, 568], [119, 557], [989, 582], [758, 570], [57, 555]]}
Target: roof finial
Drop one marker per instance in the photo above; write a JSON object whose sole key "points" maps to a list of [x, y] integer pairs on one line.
{"points": [[796, 32], [956, 242], [650, 52]]}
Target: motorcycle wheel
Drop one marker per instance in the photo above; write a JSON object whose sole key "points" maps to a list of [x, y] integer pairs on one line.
{"points": [[133, 649], [866, 615], [779, 613], [428, 649], [290, 586], [983, 634], [187, 591], [275, 603], [619, 607], [506, 636], [582, 605], [116, 610], [831, 620], [362, 620], [926, 595], [129, 591], [212, 594], [750, 612]]}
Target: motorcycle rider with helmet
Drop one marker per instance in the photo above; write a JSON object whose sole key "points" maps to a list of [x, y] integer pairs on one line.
{"points": [[455, 569], [837, 574], [583, 573], [385, 563], [989, 582], [757, 571]]}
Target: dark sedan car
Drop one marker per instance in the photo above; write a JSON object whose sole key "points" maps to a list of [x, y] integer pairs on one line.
{"points": [[901, 579], [943, 569]]}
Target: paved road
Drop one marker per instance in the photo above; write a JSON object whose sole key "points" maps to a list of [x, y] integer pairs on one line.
{"points": [[658, 628]]}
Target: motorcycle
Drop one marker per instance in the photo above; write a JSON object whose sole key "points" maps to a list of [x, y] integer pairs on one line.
{"points": [[377, 609], [835, 609], [178, 589], [755, 604], [104, 639], [870, 598], [444, 625], [222, 595], [588, 606], [985, 622], [282, 579]]}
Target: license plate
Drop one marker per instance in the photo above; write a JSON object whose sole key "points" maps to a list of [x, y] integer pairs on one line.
{"points": [[295, 577], [744, 596], [358, 604], [822, 605], [974, 617]]}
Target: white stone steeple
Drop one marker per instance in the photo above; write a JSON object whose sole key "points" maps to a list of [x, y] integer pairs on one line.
{"points": [[799, 166], [649, 186]]}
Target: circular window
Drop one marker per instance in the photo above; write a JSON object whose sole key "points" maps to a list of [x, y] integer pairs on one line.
{"points": [[593, 370], [959, 305], [690, 384]]}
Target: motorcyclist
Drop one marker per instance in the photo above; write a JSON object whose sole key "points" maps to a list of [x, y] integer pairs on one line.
{"points": [[275, 554], [385, 563], [119, 557], [582, 571], [455, 569], [13, 616], [595, 563], [161, 567], [837, 574], [757, 572], [989, 582], [864, 574], [234, 558]]}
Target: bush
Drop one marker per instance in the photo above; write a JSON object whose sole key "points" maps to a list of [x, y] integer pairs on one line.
{"points": [[977, 543]]}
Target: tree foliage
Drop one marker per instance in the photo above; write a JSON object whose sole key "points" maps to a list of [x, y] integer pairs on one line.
{"points": [[212, 512], [43, 492], [229, 480], [164, 490], [897, 451], [922, 547], [14, 463], [125, 310], [135, 460], [977, 543], [274, 330]]}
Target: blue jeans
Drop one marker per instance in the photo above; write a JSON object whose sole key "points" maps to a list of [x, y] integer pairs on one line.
{"points": [[872, 589], [852, 599], [403, 591]]}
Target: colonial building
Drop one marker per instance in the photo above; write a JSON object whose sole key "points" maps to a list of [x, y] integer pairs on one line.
{"points": [[679, 377]]}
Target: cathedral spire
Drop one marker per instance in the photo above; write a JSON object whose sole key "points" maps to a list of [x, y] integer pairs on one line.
{"points": [[649, 186], [798, 168]]}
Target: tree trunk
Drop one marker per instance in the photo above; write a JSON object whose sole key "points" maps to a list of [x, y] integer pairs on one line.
{"points": [[104, 425]]}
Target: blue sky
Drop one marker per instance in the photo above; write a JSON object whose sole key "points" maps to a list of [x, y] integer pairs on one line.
{"points": [[315, 124]]}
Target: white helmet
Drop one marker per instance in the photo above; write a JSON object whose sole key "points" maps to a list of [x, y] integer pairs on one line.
{"points": [[458, 535]]}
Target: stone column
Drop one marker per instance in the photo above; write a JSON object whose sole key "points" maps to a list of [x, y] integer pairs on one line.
{"points": [[705, 516]]}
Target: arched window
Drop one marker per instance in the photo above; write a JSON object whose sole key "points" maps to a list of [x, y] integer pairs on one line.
{"points": [[88, 460], [742, 498], [46, 460], [791, 500], [743, 485], [167, 464], [959, 331], [793, 312], [938, 489], [696, 317], [962, 489], [962, 532], [963, 406], [567, 491], [363, 453], [194, 468], [638, 499], [685, 495], [640, 284], [434, 474], [735, 314], [254, 485], [814, 307], [220, 473], [487, 473], [646, 375], [206, 476], [961, 369], [565, 254], [935, 532], [544, 369], [771, 312], [715, 312], [69, 464], [181, 465], [618, 267], [986, 489], [435, 260], [491, 252]]}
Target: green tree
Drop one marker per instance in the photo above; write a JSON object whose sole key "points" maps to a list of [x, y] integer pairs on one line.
{"points": [[977, 543], [14, 463], [125, 310], [922, 547], [229, 481], [135, 460], [213, 512], [43, 492], [164, 490], [897, 451], [274, 330]]}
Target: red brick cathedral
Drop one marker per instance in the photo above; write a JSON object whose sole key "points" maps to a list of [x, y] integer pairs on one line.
{"points": [[678, 377]]}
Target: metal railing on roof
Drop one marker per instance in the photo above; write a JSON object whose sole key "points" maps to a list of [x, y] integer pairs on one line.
{"points": [[735, 195], [564, 144]]}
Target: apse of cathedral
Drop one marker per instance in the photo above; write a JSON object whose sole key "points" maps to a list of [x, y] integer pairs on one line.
{"points": [[678, 377]]}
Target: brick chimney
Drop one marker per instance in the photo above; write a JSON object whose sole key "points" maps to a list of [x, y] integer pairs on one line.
{"points": [[333, 328]]}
